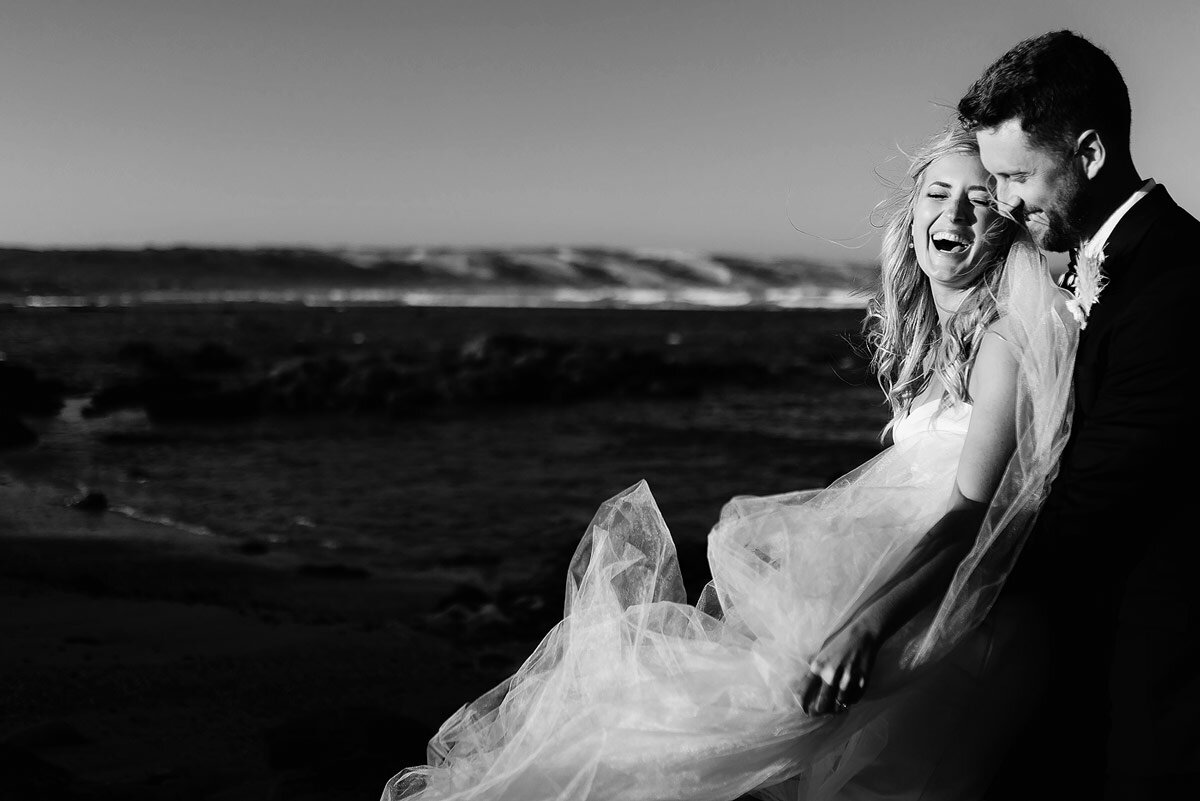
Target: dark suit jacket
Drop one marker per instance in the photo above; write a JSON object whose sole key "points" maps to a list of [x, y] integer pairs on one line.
{"points": [[1114, 550]]}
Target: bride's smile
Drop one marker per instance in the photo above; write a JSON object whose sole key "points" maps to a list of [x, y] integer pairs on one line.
{"points": [[950, 220]]}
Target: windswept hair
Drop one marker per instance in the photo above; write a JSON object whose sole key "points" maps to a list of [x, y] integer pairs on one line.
{"points": [[907, 346], [1056, 85]]}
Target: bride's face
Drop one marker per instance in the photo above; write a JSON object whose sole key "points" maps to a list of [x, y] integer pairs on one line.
{"points": [[952, 212]]}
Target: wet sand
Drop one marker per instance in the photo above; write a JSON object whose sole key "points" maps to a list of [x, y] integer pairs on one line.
{"points": [[139, 666]]}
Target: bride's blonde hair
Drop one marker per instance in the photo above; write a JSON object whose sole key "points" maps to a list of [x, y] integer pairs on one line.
{"points": [[908, 348]]}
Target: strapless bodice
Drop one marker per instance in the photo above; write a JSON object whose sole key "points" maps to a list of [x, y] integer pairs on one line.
{"points": [[953, 419]]}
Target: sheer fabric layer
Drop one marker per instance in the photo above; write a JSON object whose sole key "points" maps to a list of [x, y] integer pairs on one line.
{"points": [[1045, 337], [637, 695]]}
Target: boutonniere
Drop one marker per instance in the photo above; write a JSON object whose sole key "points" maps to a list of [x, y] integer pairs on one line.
{"points": [[1089, 282]]}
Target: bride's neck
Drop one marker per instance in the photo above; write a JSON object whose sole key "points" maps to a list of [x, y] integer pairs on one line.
{"points": [[946, 302]]}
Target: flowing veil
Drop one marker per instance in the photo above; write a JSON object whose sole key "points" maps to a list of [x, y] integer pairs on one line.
{"points": [[1046, 336], [637, 695]]}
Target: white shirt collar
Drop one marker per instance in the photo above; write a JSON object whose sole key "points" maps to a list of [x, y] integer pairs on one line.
{"points": [[1094, 247]]}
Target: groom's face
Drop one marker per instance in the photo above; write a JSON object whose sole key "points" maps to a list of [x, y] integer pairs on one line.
{"points": [[1040, 188]]}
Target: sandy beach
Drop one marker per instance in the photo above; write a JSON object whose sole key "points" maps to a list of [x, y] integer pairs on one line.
{"points": [[140, 666]]}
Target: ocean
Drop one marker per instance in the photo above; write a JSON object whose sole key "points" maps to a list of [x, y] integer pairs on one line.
{"points": [[495, 486]]}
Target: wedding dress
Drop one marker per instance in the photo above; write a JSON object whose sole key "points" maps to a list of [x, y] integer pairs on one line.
{"points": [[638, 696]]}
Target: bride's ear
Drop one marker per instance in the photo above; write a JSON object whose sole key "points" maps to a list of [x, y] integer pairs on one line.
{"points": [[1089, 149]]}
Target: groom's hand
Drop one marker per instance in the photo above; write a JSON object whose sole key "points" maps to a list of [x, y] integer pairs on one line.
{"points": [[837, 675], [817, 697]]}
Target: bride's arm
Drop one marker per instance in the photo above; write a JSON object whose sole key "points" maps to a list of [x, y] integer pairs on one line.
{"points": [[839, 671]]}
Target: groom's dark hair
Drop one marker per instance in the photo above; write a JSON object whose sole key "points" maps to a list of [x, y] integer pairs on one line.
{"points": [[1057, 85]]}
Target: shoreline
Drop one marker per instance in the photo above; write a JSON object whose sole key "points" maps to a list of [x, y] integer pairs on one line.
{"points": [[143, 665], [616, 299]]}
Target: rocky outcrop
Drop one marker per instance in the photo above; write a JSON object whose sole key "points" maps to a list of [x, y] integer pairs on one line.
{"points": [[487, 371], [24, 394], [14, 433]]}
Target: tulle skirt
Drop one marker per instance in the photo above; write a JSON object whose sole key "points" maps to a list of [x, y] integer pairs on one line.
{"points": [[636, 694]]}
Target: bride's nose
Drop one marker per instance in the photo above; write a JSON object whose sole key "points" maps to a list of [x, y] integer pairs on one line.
{"points": [[963, 211]]}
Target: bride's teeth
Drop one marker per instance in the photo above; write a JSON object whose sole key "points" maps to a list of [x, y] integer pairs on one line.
{"points": [[950, 237], [949, 242]]}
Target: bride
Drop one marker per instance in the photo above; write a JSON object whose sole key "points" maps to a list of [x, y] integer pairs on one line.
{"points": [[849, 637]]}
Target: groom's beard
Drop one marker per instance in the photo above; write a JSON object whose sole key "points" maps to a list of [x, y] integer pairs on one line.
{"points": [[1065, 215]]}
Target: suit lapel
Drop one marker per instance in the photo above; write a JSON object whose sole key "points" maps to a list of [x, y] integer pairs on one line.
{"points": [[1119, 255], [1126, 236], [1132, 228]]}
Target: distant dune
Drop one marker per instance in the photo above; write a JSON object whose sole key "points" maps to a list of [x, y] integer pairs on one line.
{"points": [[26, 273]]}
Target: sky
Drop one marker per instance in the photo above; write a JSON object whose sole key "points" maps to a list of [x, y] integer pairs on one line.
{"points": [[760, 127]]}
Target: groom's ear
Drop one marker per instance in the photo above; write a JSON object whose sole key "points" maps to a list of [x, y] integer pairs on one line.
{"points": [[1089, 149]]}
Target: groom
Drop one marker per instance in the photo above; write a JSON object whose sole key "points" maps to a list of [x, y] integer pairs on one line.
{"points": [[1114, 556]]}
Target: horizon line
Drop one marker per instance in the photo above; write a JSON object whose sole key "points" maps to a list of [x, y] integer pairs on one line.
{"points": [[301, 246]]}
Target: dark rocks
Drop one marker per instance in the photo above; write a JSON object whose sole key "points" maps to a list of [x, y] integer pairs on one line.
{"points": [[516, 610], [232, 403], [254, 548], [139, 391], [470, 557], [334, 571], [176, 398], [145, 355], [494, 370], [486, 371], [217, 358], [208, 357], [14, 433], [178, 386], [90, 502], [466, 595], [355, 383], [23, 392], [517, 368]]}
